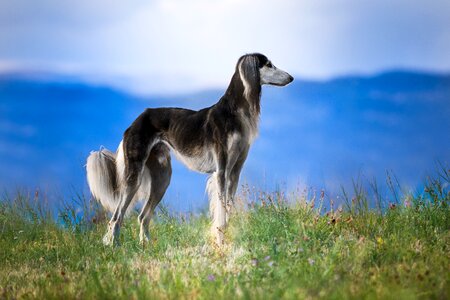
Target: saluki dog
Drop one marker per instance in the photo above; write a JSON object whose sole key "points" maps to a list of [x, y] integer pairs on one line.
{"points": [[213, 140]]}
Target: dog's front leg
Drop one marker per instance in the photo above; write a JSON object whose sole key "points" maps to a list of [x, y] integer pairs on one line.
{"points": [[235, 164], [221, 209], [221, 200]]}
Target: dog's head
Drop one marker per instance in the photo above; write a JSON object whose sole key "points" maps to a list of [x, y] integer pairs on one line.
{"points": [[257, 69]]}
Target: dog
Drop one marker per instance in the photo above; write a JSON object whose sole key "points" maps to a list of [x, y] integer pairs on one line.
{"points": [[213, 140]]}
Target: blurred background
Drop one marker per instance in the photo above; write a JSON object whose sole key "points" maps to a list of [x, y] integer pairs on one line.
{"points": [[371, 93]]}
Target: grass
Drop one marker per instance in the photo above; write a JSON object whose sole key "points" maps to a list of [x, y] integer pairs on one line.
{"points": [[276, 249]]}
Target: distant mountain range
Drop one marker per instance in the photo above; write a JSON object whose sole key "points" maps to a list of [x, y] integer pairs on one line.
{"points": [[317, 133]]}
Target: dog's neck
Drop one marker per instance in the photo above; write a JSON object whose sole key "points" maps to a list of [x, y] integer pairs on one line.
{"points": [[239, 99]]}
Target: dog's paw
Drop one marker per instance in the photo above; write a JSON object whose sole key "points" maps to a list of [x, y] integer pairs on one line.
{"points": [[144, 238], [219, 237], [111, 238], [108, 239]]}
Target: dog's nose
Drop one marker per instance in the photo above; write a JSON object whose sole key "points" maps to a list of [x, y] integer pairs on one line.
{"points": [[291, 78]]}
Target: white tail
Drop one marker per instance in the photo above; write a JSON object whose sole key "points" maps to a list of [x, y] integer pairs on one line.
{"points": [[101, 176], [105, 176]]}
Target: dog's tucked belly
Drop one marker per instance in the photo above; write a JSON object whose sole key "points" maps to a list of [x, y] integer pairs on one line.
{"points": [[202, 162]]}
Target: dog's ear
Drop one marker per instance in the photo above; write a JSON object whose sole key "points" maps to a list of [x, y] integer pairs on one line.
{"points": [[249, 72]]}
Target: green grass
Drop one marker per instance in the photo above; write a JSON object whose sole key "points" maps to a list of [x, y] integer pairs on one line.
{"points": [[274, 250]]}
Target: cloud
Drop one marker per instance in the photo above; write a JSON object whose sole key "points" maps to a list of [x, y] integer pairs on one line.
{"points": [[196, 43], [81, 13]]}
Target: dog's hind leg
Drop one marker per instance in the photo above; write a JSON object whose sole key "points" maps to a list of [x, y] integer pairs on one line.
{"points": [[137, 144], [160, 172]]}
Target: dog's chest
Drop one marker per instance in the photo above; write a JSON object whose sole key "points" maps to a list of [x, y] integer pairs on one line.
{"points": [[249, 127]]}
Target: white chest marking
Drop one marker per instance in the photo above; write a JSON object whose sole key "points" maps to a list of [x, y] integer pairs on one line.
{"points": [[202, 162]]}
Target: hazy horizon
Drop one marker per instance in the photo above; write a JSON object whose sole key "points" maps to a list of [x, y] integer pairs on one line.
{"points": [[109, 81]]}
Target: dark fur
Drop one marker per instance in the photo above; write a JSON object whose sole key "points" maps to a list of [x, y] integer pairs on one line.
{"points": [[146, 142]]}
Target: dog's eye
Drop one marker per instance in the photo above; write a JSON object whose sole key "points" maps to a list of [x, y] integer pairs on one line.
{"points": [[269, 64]]}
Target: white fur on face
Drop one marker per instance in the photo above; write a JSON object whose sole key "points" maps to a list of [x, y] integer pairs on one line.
{"points": [[274, 76]]}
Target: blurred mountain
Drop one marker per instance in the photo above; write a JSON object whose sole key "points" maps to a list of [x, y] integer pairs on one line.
{"points": [[320, 133]]}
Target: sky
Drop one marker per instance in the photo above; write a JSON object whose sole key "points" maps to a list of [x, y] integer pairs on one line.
{"points": [[172, 46]]}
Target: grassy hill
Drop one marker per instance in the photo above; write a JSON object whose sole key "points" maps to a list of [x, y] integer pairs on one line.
{"points": [[277, 247]]}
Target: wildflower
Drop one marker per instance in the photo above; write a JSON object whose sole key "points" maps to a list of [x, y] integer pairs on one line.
{"points": [[332, 221], [392, 206], [311, 261], [254, 262], [380, 241], [270, 263], [407, 203], [267, 257], [211, 277]]}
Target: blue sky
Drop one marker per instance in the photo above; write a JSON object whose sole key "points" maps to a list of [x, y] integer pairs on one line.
{"points": [[178, 45]]}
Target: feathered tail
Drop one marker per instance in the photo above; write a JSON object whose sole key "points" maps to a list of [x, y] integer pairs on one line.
{"points": [[102, 178], [105, 175]]}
